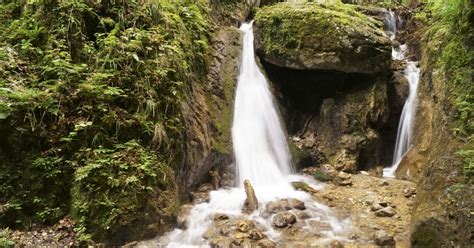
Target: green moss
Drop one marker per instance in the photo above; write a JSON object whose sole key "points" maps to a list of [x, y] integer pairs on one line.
{"points": [[287, 26], [451, 28], [320, 176], [77, 78], [120, 190], [221, 108]]}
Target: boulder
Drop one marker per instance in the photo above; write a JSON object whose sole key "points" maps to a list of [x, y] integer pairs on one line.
{"points": [[284, 205], [283, 219], [251, 203], [313, 36]]}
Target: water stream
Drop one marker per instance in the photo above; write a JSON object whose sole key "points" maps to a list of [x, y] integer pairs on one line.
{"points": [[407, 118], [262, 157]]}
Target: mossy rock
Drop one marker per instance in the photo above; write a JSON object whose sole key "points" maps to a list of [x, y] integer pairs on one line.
{"points": [[122, 194], [321, 36]]}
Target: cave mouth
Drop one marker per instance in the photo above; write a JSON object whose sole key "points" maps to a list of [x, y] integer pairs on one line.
{"points": [[301, 93]]}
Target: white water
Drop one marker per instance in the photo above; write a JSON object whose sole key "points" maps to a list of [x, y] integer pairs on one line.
{"points": [[405, 126], [412, 74], [262, 157]]}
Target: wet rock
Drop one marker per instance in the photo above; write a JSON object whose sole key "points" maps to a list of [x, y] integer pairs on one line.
{"points": [[266, 243], [220, 216], [199, 197], [296, 204], [382, 238], [183, 215], [244, 226], [284, 205], [220, 242], [256, 235], [251, 203], [385, 212], [302, 186], [205, 187], [283, 219], [409, 191], [302, 215]]}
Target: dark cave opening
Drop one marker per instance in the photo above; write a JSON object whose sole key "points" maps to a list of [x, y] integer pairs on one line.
{"points": [[301, 93]]}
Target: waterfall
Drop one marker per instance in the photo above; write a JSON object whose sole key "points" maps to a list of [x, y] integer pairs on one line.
{"points": [[262, 156], [412, 74], [259, 142]]}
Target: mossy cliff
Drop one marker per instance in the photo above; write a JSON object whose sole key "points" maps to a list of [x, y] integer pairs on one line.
{"points": [[105, 108], [441, 157], [321, 36]]}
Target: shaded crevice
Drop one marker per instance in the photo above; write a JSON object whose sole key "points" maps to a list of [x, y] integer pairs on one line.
{"points": [[315, 103]]}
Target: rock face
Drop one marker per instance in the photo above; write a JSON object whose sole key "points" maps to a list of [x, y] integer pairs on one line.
{"points": [[316, 36], [336, 121], [208, 115]]}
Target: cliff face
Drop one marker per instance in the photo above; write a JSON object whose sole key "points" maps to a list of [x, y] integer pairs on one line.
{"points": [[440, 159]]}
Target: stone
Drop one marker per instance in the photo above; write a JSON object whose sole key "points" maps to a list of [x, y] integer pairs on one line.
{"points": [[205, 187], [296, 204], [266, 243], [336, 244], [343, 179], [256, 235], [199, 197], [302, 186], [220, 216], [183, 215], [302, 215], [251, 203], [283, 219], [333, 38], [409, 191], [385, 212], [383, 239], [284, 205], [383, 183], [244, 226]]}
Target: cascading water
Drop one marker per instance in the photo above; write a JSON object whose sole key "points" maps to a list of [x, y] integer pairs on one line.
{"points": [[262, 157], [260, 145], [412, 74]]}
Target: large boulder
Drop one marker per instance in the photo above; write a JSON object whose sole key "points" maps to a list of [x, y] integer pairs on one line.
{"points": [[321, 36]]}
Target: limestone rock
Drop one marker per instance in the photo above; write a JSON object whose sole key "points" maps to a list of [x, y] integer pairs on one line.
{"points": [[251, 203], [409, 191], [385, 212], [266, 243], [383, 239], [320, 36], [283, 219], [284, 205], [343, 179]]}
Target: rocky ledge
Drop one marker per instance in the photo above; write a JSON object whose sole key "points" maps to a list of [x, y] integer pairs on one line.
{"points": [[325, 37]]}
